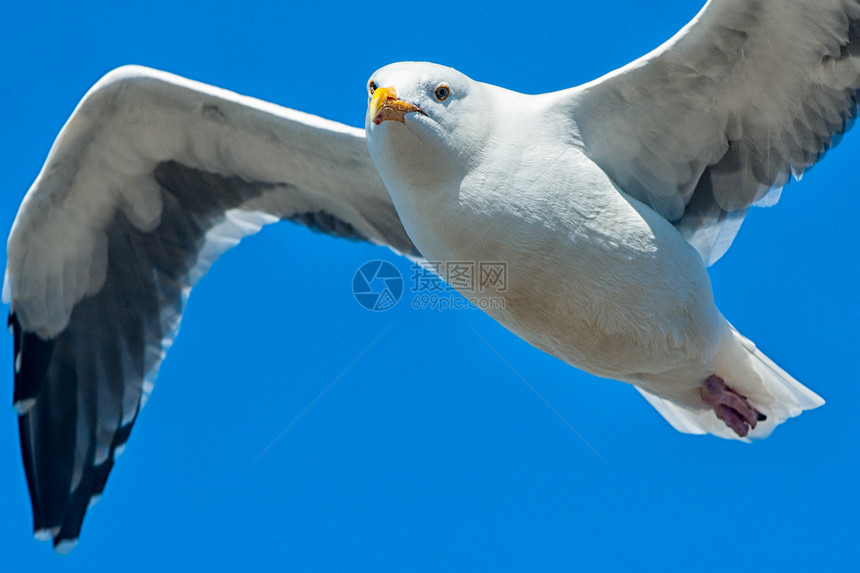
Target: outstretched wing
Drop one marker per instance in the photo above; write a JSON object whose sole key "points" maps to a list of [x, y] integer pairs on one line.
{"points": [[720, 116], [150, 180]]}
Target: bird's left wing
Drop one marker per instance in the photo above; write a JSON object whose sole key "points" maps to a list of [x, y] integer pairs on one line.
{"points": [[150, 180], [703, 127]]}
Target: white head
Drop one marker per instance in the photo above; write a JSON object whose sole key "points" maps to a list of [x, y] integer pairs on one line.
{"points": [[426, 125]]}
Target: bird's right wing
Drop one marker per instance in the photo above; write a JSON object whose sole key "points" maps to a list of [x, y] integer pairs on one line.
{"points": [[747, 94], [151, 179]]}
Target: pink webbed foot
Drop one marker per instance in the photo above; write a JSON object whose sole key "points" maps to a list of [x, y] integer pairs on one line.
{"points": [[732, 408]]}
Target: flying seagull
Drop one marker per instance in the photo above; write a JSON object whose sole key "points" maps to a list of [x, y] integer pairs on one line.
{"points": [[606, 201]]}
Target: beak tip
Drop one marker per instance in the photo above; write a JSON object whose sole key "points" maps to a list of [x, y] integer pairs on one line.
{"points": [[385, 106]]}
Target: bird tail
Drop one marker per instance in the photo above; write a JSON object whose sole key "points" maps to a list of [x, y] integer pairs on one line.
{"points": [[771, 390]]}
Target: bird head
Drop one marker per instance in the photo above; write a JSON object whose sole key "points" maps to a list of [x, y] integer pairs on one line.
{"points": [[426, 124]]}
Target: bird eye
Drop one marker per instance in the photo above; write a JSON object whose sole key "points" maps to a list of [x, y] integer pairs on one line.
{"points": [[442, 92], [371, 87]]}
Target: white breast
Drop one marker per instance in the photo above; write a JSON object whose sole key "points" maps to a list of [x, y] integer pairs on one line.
{"points": [[593, 276]]}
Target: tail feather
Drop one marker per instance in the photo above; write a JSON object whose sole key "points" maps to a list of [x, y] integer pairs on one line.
{"points": [[783, 398]]}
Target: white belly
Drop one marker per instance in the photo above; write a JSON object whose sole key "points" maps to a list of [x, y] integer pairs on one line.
{"points": [[593, 278]]}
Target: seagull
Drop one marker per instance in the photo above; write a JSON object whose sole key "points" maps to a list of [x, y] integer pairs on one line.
{"points": [[606, 202]]}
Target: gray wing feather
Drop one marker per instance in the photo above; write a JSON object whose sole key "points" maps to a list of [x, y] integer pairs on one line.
{"points": [[152, 178], [747, 94]]}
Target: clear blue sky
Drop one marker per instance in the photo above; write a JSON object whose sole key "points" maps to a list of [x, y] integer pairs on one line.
{"points": [[430, 453]]}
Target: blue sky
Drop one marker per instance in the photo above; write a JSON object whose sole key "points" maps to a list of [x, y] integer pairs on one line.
{"points": [[429, 451]]}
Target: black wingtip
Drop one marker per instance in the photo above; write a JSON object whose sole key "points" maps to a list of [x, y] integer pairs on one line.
{"points": [[31, 359]]}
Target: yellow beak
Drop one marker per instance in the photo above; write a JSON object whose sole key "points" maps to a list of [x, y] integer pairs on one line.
{"points": [[384, 105]]}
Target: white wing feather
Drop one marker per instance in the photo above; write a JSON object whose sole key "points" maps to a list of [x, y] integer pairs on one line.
{"points": [[747, 94], [150, 180]]}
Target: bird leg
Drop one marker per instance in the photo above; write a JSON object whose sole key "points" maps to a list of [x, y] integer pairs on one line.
{"points": [[731, 407]]}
